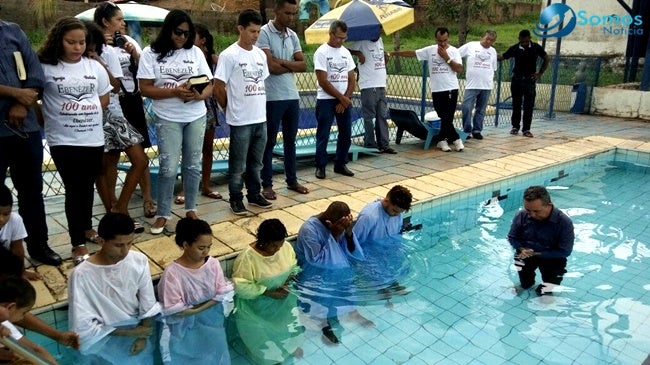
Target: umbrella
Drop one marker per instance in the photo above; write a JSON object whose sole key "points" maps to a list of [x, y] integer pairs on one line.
{"points": [[133, 11], [365, 20]]}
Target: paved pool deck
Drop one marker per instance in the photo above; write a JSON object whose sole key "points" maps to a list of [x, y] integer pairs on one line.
{"points": [[429, 174]]}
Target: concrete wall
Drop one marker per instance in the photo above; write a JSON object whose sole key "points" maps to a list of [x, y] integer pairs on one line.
{"points": [[592, 40], [621, 103]]}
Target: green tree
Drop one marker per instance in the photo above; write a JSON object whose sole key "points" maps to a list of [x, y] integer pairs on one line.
{"points": [[45, 11]]}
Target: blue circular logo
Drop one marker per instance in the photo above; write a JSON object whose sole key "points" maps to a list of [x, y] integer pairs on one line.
{"points": [[551, 19]]}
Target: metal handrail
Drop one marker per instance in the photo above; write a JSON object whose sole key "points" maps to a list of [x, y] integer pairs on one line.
{"points": [[22, 351]]}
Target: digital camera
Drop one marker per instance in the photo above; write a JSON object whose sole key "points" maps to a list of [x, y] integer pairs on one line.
{"points": [[118, 39]]}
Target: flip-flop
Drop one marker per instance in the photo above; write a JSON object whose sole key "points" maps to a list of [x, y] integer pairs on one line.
{"points": [[269, 194], [329, 335], [179, 200], [299, 188], [92, 238], [212, 195], [149, 208], [138, 227], [80, 258], [528, 134]]}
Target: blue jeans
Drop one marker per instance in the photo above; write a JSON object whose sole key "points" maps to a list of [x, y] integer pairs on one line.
{"points": [[373, 105], [474, 99], [24, 158], [325, 115], [247, 144], [287, 114], [176, 140]]}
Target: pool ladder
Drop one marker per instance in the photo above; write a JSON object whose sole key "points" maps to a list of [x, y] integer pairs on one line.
{"points": [[22, 351]]}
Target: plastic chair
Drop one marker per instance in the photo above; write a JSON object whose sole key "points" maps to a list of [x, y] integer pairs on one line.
{"points": [[408, 120]]}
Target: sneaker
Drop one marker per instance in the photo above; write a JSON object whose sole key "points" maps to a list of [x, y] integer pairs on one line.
{"points": [[444, 146], [237, 207], [469, 136], [477, 135], [458, 145], [259, 201]]}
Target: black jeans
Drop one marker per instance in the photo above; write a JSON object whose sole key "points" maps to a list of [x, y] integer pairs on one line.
{"points": [[444, 102], [522, 89], [552, 270], [24, 158], [78, 167]]}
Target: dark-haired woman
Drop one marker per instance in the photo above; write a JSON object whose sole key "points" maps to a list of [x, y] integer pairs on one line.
{"points": [[264, 303], [75, 93], [109, 18], [191, 291], [179, 110]]}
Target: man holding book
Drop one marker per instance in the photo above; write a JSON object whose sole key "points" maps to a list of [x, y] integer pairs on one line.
{"points": [[21, 149]]}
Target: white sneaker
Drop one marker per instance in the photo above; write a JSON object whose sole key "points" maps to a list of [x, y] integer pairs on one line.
{"points": [[444, 146], [458, 145]]}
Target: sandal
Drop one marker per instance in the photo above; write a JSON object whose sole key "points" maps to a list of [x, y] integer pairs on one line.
{"points": [[212, 194], [149, 208], [329, 335], [91, 236], [528, 134], [158, 230], [514, 131], [78, 259], [269, 194], [299, 188], [179, 200], [138, 227]]}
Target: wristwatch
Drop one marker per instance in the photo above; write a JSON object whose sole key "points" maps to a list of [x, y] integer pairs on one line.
{"points": [[449, 60]]}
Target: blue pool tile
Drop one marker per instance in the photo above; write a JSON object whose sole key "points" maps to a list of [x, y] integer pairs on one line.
{"points": [[368, 354], [489, 358], [411, 346], [429, 356], [349, 359], [443, 348], [524, 357], [398, 354]]}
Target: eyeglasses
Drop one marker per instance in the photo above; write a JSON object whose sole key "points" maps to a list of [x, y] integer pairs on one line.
{"points": [[16, 130], [180, 32]]}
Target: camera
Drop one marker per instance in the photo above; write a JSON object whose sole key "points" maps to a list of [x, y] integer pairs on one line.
{"points": [[118, 39]]}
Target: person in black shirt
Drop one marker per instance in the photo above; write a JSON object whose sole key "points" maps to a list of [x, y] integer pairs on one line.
{"points": [[524, 78]]}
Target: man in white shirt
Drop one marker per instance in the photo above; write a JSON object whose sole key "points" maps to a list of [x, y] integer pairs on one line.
{"points": [[239, 89], [481, 61], [334, 68], [445, 64], [372, 82]]}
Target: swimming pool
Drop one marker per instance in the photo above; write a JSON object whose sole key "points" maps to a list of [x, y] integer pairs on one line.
{"points": [[462, 309]]}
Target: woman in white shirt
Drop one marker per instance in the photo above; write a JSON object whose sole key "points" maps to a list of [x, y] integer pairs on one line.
{"points": [[75, 93], [179, 110], [109, 19]]}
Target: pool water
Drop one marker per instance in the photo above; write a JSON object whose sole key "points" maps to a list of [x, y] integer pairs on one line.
{"points": [[462, 308]]}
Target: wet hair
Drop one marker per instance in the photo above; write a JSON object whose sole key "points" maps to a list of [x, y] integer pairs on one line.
{"points": [[441, 31], [17, 290], [6, 199], [106, 10], [163, 44], [400, 196], [189, 230], [52, 50], [537, 192], [280, 3], [95, 37], [524, 33], [338, 24], [113, 224], [271, 230], [203, 32], [249, 16], [336, 210]]}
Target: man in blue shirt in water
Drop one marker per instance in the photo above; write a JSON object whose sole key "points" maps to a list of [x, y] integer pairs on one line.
{"points": [[542, 236]]}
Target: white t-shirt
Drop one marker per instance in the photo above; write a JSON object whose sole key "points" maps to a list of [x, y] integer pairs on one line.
{"points": [[109, 55], [172, 71], [372, 73], [71, 107], [481, 65], [12, 231], [125, 61], [441, 75], [244, 72], [336, 62]]}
